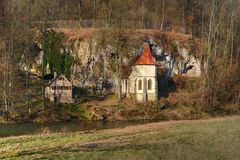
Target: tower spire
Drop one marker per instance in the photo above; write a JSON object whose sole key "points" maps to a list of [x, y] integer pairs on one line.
{"points": [[146, 57]]}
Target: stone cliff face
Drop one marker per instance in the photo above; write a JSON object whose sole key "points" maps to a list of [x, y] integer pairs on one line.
{"points": [[175, 53], [182, 62]]}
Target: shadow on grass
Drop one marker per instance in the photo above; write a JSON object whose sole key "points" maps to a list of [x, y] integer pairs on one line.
{"points": [[92, 148], [102, 145]]}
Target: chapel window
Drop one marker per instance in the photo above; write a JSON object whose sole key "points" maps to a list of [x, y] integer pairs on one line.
{"points": [[149, 84], [139, 84]]}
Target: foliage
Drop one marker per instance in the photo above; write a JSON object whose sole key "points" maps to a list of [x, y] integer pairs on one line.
{"points": [[67, 64], [53, 46], [70, 112]]}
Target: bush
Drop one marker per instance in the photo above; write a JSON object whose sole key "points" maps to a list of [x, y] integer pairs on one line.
{"points": [[188, 83], [230, 109], [71, 112]]}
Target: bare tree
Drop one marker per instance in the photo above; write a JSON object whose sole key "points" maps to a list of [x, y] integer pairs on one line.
{"points": [[163, 14]]}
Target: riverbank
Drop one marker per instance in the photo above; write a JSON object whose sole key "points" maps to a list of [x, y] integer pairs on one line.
{"points": [[19, 129], [178, 106], [216, 138], [111, 109]]}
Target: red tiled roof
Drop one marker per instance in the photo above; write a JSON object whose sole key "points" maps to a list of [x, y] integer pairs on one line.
{"points": [[146, 57]]}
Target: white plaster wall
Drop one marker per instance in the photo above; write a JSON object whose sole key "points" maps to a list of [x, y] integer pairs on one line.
{"points": [[144, 73], [140, 97]]}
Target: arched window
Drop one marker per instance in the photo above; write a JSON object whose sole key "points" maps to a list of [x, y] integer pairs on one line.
{"points": [[149, 84], [140, 84]]}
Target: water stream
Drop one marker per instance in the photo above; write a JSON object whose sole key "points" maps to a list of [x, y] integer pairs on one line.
{"points": [[7, 130]]}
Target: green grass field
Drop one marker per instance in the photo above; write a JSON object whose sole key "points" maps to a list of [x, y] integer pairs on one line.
{"points": [[182, 140]]}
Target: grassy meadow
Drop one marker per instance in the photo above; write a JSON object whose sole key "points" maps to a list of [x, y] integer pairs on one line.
{"points": [[211, 139]]}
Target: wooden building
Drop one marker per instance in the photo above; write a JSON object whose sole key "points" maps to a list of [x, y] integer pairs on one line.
{"points": [[59, 90]]}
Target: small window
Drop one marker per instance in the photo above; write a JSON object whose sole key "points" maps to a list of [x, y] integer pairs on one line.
{"points": [[139, 84], [149, 84], [59, 87], [67, 87]]}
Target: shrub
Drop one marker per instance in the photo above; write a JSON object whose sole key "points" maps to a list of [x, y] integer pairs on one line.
{"points": [[71, 112]]}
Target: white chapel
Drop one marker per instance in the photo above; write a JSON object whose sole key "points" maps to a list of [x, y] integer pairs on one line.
{"points": [[141, 85]]}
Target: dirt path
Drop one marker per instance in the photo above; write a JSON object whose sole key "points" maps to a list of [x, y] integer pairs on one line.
{"points": [[160, 125]]}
